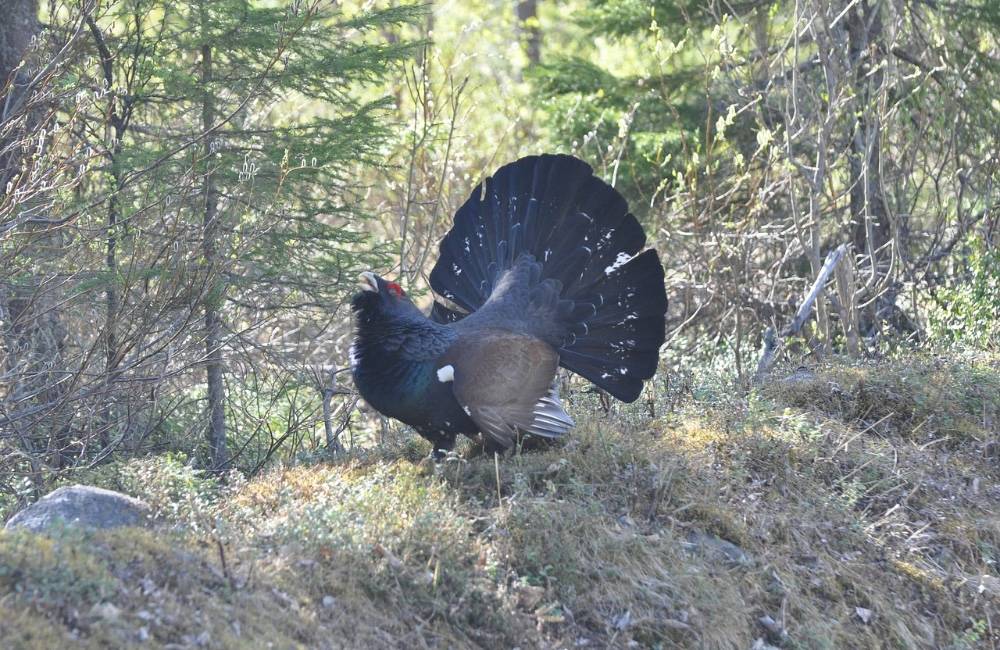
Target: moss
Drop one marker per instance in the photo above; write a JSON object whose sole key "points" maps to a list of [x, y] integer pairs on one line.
{"points": [[26, 630], [54, 573], [921, 576], [919, 396]]}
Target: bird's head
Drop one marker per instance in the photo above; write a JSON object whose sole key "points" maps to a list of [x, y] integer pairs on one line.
{"points": [[379, 296]]}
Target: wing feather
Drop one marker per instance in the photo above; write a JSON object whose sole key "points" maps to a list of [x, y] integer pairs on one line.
{"points": [[503, 380]]}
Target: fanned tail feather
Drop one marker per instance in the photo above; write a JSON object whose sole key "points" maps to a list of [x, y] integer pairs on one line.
{"points": [[580, 229]]}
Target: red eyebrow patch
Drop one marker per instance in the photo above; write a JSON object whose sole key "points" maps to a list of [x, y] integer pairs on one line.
{"points": [[395, 289]]}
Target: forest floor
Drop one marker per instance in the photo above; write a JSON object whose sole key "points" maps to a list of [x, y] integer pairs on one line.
{"points": [[853, 505]]}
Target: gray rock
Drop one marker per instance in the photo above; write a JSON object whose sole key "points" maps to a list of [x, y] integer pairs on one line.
{"points": [[801, 375], [82, 506], [710, 544]]}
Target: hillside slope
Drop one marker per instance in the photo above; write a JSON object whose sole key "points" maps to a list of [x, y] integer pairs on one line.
{"points": [[851, 506]]}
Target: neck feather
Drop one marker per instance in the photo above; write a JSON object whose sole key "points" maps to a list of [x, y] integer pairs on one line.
{"points": [[407, 336]]}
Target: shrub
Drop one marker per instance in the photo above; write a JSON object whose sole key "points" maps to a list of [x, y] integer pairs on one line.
{"points": [[969, 312]]}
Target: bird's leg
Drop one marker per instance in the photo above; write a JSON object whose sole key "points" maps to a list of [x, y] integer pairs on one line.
{"points": [[491, 447], [443, 444]]}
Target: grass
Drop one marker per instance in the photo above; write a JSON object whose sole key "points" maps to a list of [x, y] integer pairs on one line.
{"points": [[849, 507]]}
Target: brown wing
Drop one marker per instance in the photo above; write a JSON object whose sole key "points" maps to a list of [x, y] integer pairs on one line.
{"points": [[500, 379]]}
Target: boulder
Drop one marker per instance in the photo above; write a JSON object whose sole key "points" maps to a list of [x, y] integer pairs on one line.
{"points": [[81, 506]]}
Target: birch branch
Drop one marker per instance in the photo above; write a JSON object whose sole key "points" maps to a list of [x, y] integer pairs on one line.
{"points": [[772, 341]]}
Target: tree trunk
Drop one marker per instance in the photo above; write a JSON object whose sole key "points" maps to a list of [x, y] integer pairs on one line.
{"points": [[33, 336], [18, 27], [215, 289], [531, 34], [870, 228], [20, 24], [115, 126]]}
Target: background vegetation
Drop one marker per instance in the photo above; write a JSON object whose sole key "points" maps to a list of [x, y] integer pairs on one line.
{"points": [[188, 190]]}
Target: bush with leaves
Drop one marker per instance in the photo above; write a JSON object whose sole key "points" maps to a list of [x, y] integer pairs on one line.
{"points": [[968, 312]]}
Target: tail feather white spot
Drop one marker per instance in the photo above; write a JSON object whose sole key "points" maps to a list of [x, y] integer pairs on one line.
{"points": [[622, 259]]}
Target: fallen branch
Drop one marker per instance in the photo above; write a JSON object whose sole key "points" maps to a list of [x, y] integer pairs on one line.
{"points": [[772, 341]]}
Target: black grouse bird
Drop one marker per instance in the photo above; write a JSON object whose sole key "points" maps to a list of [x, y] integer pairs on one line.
{"points": [[544, 266]]}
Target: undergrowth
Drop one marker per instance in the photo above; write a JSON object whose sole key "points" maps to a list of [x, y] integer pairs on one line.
{"points": [[849, 506]]}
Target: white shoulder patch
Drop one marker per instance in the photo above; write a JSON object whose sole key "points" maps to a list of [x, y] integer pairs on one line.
{"points": [[446, 373]]}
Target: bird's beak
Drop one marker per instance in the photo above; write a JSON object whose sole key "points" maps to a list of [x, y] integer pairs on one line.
{"points": [[367, 282]]}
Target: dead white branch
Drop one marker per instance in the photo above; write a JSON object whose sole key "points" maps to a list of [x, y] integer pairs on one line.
{"points": [[772, 342]]}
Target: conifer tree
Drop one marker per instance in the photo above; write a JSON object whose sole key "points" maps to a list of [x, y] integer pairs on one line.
{"points": [[634, 123], [245, 132]]}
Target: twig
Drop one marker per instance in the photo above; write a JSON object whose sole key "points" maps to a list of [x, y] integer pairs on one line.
{"points": [[496, 466]]}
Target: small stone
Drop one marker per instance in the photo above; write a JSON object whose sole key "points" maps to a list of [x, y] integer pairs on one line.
{"points": [[674, 624], [864, 614], [148, 587], [986, 584], [107, 611], [776, 633], [706, 543], [329, 602]]}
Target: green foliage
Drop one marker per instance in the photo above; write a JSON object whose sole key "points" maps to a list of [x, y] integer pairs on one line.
{"points": [[637, 106], [20, 490], [629, 17], [230, 141], [287, 132], [968, 312], [177, 492], [274, 418], [180, 495], [974, 637]]}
